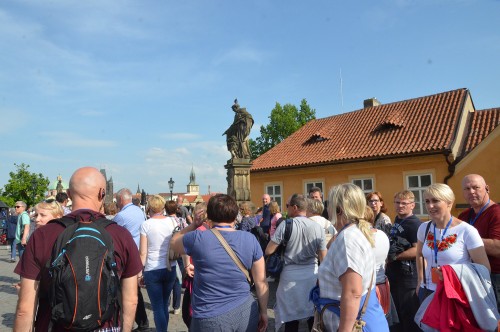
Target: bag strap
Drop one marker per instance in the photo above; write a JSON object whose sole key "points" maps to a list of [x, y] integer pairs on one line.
{"points": [[367, 298], [231, 253], [423, 259], [288, 231]]}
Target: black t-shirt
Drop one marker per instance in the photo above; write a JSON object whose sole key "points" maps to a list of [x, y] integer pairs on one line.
{"points": [[397, 271]]}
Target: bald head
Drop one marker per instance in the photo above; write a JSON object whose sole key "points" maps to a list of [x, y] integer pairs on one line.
{"points": [[266, 199], [475, 191], [86, 188]]}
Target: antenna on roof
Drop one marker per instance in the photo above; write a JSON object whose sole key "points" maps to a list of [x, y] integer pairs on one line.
{"points": [[341, 93]]}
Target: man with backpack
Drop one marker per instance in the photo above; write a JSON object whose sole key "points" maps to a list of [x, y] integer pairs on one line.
{"points": [[41, 291]]}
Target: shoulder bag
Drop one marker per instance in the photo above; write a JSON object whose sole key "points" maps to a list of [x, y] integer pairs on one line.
{"points": [[276, 261], [231, 253], [319, 326], [172, 255]]}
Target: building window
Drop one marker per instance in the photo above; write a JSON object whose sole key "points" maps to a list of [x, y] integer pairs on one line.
{"points": [[417, 184], [274, 191], [309, 184], [365, 184]]}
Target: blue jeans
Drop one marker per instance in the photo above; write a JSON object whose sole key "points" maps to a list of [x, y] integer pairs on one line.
{"points": [[20, 248], [159, 284], [12, 243], [176, 294]]}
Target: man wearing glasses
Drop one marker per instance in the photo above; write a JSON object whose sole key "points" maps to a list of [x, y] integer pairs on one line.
{"points": [[401, 269], [23, 227]]}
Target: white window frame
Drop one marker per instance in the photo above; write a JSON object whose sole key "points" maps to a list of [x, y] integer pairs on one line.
{"points": [[314, 183], [419, 209], [273, 195], [364, 178]]}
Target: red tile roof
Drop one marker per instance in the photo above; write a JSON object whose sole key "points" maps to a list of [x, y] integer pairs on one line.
{"points": [[482, 123], [410, 127]]}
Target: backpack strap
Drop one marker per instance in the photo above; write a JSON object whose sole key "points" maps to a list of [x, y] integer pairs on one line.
{"points": [[288, 231]]}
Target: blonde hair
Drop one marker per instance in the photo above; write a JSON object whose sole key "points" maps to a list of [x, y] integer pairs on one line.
{"points": [[349, 201], [246, 209], [202, 206], [405, 194], [315, 207], [440, 191], [54, 207], [156, 204], [274, 207]]}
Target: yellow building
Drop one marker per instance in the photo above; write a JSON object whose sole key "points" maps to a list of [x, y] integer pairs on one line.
{"points": [[387, 148]]}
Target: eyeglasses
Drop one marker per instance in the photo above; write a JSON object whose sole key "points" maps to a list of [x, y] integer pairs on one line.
{"points": [[403, 203], [371, 201], [50, 200], [17, 206]]}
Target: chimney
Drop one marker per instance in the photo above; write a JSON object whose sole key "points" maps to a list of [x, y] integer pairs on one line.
{"points": [[372, 102]]}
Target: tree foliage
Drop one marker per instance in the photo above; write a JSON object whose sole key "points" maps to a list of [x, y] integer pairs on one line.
{"points": [[283, 122], [25, 186]]}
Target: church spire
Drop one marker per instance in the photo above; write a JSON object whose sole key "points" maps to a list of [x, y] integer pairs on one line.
{"points": [[138, 190], [192, 177]]}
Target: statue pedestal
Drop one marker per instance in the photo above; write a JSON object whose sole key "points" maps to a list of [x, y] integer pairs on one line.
{"points": [[238, 179]]}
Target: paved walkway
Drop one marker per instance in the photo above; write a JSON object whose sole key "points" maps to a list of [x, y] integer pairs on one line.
{"points": [[8, 300]]}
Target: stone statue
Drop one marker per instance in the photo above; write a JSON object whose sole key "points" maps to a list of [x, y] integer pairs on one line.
{"points": [[59, 187], [237, 133]]}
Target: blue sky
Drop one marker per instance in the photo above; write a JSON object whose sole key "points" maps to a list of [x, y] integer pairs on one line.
{"points": [[145, 88]]}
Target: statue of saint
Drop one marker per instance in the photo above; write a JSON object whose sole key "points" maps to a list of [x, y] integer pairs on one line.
{"points": [[237, 133]]}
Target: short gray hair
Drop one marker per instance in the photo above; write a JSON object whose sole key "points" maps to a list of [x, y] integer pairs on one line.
{"points": [[124, 194], [22, 203], [314, 206]]}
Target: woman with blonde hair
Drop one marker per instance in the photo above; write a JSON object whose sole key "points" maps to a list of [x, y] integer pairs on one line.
{"points": [[274, 208], [248, 219], [347, 274], [46, 211], [159, 273], [457, 242]]}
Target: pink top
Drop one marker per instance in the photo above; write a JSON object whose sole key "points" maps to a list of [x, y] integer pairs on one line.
{"points": [[274, 219]]}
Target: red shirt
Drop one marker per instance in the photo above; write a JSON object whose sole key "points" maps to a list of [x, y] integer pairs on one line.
{"points": [[488, 226], [38, 251]]}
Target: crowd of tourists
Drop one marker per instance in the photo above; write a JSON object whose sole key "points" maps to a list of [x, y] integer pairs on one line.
{"points": [[345, 264]]}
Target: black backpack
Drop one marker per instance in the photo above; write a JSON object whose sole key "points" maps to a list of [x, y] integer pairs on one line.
{"points": [[84, 286]]}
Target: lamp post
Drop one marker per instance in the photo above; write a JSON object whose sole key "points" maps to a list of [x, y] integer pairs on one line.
{"points": [[171, 187]]}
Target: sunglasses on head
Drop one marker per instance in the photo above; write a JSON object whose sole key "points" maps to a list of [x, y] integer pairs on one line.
{"points": [[50, 200]]}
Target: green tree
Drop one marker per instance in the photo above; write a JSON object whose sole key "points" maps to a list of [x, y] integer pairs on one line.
{"points": [[25, 186], [284, 121]]}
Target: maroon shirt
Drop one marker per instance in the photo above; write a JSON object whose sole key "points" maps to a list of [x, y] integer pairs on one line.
{"points": [[38, 251], [488, 226]]}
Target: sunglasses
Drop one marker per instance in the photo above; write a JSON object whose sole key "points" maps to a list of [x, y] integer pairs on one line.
{"points": [[50, 200], [17, 206]]}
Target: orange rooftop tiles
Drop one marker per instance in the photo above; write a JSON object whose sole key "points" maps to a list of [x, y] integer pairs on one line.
{"points": [[424, 125]]}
